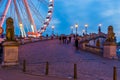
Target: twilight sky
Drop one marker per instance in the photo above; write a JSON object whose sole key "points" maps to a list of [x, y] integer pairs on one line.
{"points": [[91, 12]]}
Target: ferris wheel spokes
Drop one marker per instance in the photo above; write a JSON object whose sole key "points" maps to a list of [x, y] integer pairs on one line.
{"points": [[33, 26], [23, 34], [36, 12], [26, 14], [4, 13]]}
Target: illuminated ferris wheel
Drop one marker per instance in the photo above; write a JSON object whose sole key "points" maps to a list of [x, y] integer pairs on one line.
{"points": [[31, 16]]}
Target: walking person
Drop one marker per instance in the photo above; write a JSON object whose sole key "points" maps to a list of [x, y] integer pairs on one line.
{"points": [[46, 36], [63, 39], [69, 39], [60, 39], [76, 43]]}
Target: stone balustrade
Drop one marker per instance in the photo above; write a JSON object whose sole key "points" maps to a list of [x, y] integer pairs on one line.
{"points": [[94, 49]]}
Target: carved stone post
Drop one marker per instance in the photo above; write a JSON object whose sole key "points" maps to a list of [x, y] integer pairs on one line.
{"points": [[110, 45], [10, 50]]}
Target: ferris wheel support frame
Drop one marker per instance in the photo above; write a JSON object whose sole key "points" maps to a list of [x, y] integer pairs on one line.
{"points": [[5, 12], [29, 15], [33, 26], [23, 34]]}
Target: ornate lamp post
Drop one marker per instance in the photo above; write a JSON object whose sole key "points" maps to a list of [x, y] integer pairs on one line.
{"points": [[100, 25], [99, 28], [83, 31], [53, 29], [86, 26], [20, 30], [71, 29], [76, 26]]}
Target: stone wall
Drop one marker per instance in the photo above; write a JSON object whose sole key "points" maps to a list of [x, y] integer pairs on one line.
{"points": [[93, 49]]}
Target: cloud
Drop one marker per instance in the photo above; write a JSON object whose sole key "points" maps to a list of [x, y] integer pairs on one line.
{"points": [[92, 12], [55, 21], [110, 12], [73, 9]]}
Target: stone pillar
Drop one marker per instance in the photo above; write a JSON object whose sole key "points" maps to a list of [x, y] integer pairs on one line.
{"points": [[110, 50], [10, 45], [110, 44], [10, 56]]}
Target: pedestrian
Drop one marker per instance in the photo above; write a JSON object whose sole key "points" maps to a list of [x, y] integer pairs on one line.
{"points": [[52, 37], [76, 43], [69, 39], [46, 36], [63, 39], [74, 36], [60, 39]]}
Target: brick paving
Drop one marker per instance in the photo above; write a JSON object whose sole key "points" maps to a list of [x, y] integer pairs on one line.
{"points": [[61, 58]]}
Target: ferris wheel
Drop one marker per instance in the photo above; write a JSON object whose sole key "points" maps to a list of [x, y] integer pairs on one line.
{"points": [[31, 16]]}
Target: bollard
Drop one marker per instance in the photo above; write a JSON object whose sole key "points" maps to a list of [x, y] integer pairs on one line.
{"points": [[114, 73], [75, 71], [47, 68], [24, 65]]}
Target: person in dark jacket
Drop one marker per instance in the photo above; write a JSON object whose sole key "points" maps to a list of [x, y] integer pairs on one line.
{"points": [[60, 39], [76, 43], [69, 39]]}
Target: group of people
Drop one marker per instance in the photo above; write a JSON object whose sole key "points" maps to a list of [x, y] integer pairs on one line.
{"points": [[65, 39]]}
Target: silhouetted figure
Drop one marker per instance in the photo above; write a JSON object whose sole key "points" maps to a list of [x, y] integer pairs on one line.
{"points": [[76, 43], [60, 39], [65, 39], [52, 37], [46, 35], [74, 36], [69, 39]]}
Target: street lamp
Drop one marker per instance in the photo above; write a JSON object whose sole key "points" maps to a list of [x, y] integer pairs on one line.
{"points": [[100, 25], [76, 26], [71, 29], [53, 29], [99, 28], [83, 31], [86, 26], [21, 25]]}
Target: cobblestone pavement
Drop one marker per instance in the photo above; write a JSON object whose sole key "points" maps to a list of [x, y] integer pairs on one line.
{"points": [[61, 58]]}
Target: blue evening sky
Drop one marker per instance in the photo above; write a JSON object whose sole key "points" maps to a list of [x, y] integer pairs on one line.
{"points": [[92, 12]]}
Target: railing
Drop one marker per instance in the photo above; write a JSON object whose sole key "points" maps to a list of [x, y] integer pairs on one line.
{"points": [[31, 40], [94, 49]]}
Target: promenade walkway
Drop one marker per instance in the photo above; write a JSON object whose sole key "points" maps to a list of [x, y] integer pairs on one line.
{"points": [[61, 58]]}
